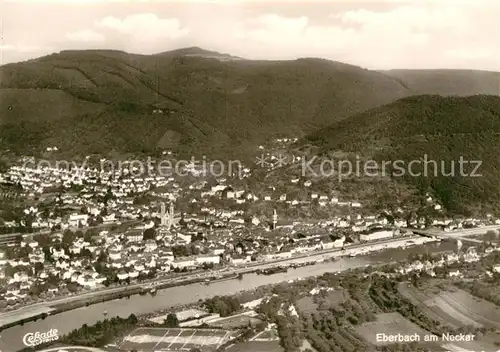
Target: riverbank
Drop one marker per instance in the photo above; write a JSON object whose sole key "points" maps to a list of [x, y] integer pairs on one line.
{"points": [[165, 299], [141, 291], [35, 311], [58, 308]]}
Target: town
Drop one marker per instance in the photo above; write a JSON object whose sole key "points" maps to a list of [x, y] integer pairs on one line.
{"points": [[249, 176], [83, 230]]}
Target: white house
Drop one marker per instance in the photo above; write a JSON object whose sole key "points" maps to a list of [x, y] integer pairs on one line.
{"points": [[134, 236], [377, 235], [122, 275], [115, 254], [278, 255], [219, 251], [150, 245], [77, 220], [240, 260], [20, 277]]}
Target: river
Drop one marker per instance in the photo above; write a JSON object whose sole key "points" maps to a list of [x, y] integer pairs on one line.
{"points": [[11, 339]]}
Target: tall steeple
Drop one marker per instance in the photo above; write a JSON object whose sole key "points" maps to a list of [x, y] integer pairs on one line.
{"points": [[171, 215], [163, 215], [167, 217]]}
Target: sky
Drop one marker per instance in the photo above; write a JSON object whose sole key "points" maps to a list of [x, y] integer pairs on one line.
{"points": [[372, 34]]}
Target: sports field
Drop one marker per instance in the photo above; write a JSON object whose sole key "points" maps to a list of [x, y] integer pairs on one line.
{"points": [[176, 339]]}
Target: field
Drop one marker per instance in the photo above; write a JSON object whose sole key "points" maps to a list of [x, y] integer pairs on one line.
{"points": [[256, 346], [490, 342], [270, 334], [455, 307], [155, 339], [306, 305], [390, 323], [334, 298], [338, 299]]}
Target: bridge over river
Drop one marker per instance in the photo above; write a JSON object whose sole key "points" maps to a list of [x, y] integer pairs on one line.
{"points": [[462, 235]]}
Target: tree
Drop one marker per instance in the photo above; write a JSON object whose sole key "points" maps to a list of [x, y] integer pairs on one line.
{"points": [[86, 253], [132, 319], [99, 219], [99, 268], [171, 321], [224, 306], [38, 267], [87, 237], [181, 251], [23, 252], [207, 266], [10, 270], [491, 236], [68, 237], [103, 257], [43, 240]]}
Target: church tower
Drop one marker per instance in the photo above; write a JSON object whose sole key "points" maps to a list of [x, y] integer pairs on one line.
{"points": [[167, 217], [171, 215], [163, 215]]}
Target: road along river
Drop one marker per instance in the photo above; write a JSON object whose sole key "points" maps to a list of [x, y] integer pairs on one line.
{"points": [[11, 339]]}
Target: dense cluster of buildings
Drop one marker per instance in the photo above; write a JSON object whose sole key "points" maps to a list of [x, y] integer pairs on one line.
{"points": [[90, 228]]}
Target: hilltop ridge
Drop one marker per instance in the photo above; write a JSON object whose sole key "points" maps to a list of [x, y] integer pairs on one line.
{"points": [[192, 100]]}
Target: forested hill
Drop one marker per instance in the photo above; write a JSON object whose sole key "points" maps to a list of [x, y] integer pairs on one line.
{"points": [[443, 129], [191, 100]]}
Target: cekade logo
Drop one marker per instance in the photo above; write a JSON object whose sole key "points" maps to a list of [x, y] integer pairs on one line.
{"points": [[37, 338]]}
